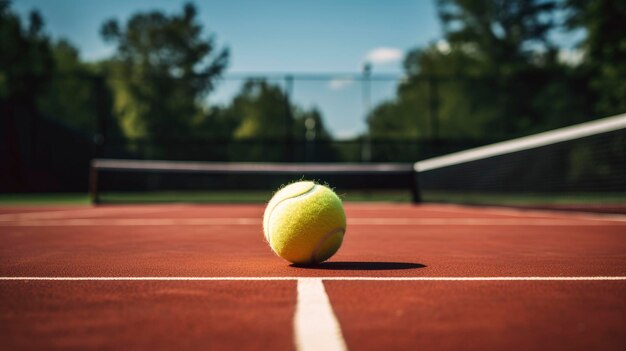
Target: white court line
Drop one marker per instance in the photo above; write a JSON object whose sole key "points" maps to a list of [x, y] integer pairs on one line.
{"points": [[315, 324], [558, 278], [134, 222], [479, 221], [522, 212], [351, 222], [82, 212]]}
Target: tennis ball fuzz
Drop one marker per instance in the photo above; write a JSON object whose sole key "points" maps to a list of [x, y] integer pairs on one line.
{"points": [[304, 223]]}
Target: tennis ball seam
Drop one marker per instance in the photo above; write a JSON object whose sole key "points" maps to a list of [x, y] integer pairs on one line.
{"points": [[271, 210], [269, 217], [323, 239]]}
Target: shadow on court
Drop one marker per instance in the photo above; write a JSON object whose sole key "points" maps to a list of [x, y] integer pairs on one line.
{"points": [[361, 266]]}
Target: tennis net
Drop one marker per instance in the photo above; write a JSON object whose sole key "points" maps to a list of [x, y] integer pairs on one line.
{"points": [[577, 167], [182, 181]]}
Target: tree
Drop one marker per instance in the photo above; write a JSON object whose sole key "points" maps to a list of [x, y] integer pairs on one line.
{"points": [[260, 111], [70, 95], [45, 104], [311, 135], [309, 125], [44, 76], [431, 105], [26, 62], [163, 68], [25, 68], [504, 33], [604, 47], [263, 123], [495, 75], [511, 40]]}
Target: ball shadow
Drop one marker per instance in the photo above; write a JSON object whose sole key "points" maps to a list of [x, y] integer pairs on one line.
{"points": [[361, 266]]}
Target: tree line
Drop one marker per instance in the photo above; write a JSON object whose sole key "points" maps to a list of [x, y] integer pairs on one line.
{"points": [[498, 72]]}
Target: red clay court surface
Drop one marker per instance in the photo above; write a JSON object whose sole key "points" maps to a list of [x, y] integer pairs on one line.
{"points": [[432, 277]]}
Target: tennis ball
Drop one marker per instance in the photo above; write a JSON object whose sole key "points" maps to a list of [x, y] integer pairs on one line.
{"points": [[304, 223]]}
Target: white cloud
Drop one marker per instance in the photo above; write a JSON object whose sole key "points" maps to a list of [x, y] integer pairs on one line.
{"points": [[340, 83], [571, 57], [345, 134], [384, 55], [443, 46]]}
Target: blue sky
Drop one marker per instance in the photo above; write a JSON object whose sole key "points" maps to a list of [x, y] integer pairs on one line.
{"points": [[277, 36]]}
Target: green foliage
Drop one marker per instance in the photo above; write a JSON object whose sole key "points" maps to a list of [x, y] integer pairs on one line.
{"points": [[48, 78], [495, 76], [503, 33], [163, 68], [260, 110], [516, 65], [605, 50], [70, 96], [312, 136], [26, 62], [309, 125], [263, 123]]}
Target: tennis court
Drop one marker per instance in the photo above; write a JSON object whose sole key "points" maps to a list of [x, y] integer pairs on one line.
{"points": [[135, 271], [437, 277], [164, 163]]}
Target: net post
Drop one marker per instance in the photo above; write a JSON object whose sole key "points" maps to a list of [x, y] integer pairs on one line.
{"points": [[93, 183], [416, 196]]}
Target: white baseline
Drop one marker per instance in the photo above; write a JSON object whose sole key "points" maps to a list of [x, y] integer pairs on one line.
{"points": [[534, 278]]}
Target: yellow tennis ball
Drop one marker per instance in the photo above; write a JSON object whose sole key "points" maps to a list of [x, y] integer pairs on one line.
{"points": [[304, 223]]}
